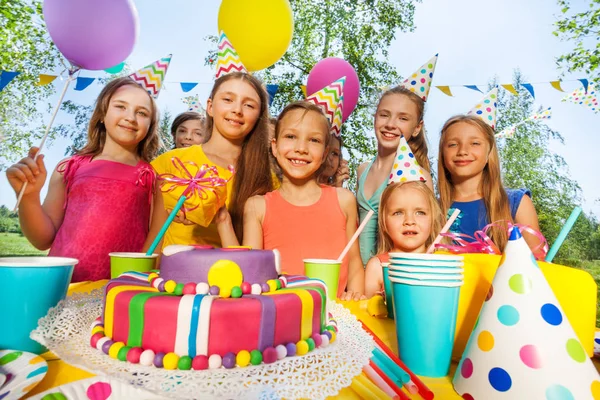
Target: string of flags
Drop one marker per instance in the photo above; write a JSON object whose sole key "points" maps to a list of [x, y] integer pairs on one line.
{"points": [[510, 131], [587, 97]]}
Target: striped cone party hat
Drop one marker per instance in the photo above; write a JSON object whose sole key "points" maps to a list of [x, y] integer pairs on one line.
{"points": [[152, 76], [329, 98], [420, 81], [228, 59], [486, 108], [336, 125], [406, 167]]}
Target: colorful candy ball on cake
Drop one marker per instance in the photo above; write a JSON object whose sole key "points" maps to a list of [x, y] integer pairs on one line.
{"points": [[281, 351], [170, 361], [265, 288], [272, 283], [98, 329], [134, 355], [324, 340], [302, 348], [158, 360], [185, 363], [291, 349], [215, 361], [122, 353], [113, 351], [229, 360], [189, 288], [242, 358], [200, 363], [170, 286], [151, 276], [255, 357], [100, 343], [269, 355], [256, 289], [147, 357], [317, 339], [246, 288], [106, 346], [236, 292], [225, 274], [94, 339], [202, 288]]}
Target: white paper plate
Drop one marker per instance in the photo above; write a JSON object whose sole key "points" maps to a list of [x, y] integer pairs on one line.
{"points": [[425, 270], [22, 371], [96, 388], [424, 256]]}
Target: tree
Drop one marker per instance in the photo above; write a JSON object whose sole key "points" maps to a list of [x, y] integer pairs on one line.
{"points": [[584, 29], [527, 162], [24, 47], [164, 130]]}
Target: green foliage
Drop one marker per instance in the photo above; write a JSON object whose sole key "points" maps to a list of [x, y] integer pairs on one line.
{"points": [[164, 130], [14, 244], [24, 47], [9, 221], [583, 28], [527, 162]]}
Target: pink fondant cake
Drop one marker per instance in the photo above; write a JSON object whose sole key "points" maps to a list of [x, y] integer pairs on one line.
{"points": [[221, 320]]}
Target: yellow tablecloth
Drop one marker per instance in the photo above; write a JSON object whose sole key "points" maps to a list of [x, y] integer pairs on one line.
{"points": [[60, 373]]}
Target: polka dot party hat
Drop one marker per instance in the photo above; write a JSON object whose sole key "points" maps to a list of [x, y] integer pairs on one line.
{"points": [[420, 81], [405, 168], [193, 104], [523, 346], [486, 108]]}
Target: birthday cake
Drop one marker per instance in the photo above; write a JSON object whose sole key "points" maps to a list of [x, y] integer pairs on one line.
{"points": [[212, 308]]}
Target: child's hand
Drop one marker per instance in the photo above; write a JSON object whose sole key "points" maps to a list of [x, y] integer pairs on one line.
{"points": [[28, 170], [352, 296], [342, 174], [223, 217], [180, 218]]}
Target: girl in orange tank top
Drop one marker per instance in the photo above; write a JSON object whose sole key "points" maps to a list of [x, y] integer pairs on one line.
{"points": [[303, 219]]}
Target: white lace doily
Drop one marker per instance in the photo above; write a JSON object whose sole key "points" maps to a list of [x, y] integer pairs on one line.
{"points": [[316, 375]]}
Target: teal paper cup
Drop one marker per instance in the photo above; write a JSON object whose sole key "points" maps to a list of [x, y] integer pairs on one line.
{"points": [[387, 287], [425, 315], [426, 277], [29, 287]]}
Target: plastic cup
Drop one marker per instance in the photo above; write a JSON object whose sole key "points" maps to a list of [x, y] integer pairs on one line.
{"points": [[326, 270], [427, 263], [387, 287], [29, 287], [427, 270], [425, 315], [125, 262], [425, 257]]}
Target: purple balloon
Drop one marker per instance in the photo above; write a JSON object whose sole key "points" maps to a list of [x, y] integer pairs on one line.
{"points": [[92, 34], [328, 71]]}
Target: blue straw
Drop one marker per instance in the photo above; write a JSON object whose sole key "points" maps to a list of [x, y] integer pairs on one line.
{"points": [[563, 233], [166, 225], [382, 358]]}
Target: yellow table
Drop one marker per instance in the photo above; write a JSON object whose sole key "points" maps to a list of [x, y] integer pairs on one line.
{"points": [[60, 373]]}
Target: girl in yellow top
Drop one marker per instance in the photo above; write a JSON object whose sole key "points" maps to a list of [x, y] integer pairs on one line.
{"points": [[237, 119]]}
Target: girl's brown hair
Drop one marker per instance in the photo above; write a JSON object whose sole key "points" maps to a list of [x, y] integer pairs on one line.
{"points": [[146, 148], [490, 187], [252, 170], [417, 143], [189, 116], [438, 219]]}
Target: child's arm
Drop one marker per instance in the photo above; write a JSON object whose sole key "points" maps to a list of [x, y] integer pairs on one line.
{"points": [[373, 277], [356, 272], [527, 215], [254, 214], [225, 228], [39, 223], [157, 220]]}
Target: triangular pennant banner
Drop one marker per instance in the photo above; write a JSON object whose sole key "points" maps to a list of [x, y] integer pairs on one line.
{"points": [[445, 90], [272, 91], [584, 82], [83, 82], [46, 79], [187, 86], [473, 87], [511, 89], [556, 85], [589, 99], [529, 88], [6, 77], [546, 114]]}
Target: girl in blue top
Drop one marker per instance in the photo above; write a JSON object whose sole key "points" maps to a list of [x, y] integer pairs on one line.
{"points": [[469, 179]]}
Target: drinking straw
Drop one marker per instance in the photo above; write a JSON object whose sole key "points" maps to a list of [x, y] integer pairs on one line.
{"points": [[563, 233], [363, 391], [411, 387], [391, 365], [380, 382], [353, 239], [394, 385], [363, 380], [424, 391], [387, 371], [165, 226], [71, 78], [444, 230]]}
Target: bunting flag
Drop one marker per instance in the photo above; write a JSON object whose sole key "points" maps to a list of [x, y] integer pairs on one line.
{"points": [[187, 86], [486, 108], [329, 98], [46, 79], [193, 104], [420, 81], [228, 59], [151, 77], [511, 88], [272, 91], [556, 85], [83, 82], [6, 77], [445, 90], [473, 87], [585, 83], [589, 99], [338, 118], [529, 88], [510, 131], [546, 114]]}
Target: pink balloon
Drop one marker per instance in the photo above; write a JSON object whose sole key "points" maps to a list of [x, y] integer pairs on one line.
{"points": [[328, 71], [92, 34]]}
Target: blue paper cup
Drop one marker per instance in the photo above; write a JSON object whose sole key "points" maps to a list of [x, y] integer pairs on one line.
{"points": [[425, 315], [426, 277], [29, 287], [387, 287], [427, 270]]}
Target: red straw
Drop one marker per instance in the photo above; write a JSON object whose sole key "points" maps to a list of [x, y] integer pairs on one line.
{"points": [[389, 381], [423, 390]]}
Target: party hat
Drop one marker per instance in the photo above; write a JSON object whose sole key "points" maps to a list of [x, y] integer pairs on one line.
{"points": [[228, 59], [193, 103], [486, 108], [406, 167], [152, 76], [523, 346], [420, 81], [338, 118], [329, 99]]}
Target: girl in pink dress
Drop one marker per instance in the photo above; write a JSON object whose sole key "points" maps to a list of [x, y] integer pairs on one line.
{"points": [[101, 199]]}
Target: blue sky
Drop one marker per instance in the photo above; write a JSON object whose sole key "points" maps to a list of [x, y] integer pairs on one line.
{"points": [[476, 41]]}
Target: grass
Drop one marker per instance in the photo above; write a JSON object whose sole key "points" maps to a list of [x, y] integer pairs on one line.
{"points": [[13, 244]]}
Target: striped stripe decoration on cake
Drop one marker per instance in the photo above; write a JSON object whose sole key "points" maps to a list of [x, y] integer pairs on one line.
{"points": [[329, 98], [152, 76], [228, 59]]}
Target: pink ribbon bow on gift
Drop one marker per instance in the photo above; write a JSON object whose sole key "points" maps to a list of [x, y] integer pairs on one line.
{"points": [[480, 242], [205, 180]]}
